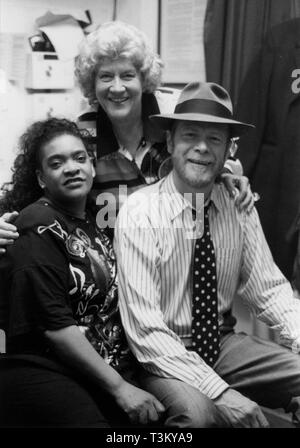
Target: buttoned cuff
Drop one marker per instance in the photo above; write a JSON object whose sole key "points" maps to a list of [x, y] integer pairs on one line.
{"points": [[213, 385]]}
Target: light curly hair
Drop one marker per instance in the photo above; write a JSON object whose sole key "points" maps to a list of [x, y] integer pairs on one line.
{"points": [[114, 40]]}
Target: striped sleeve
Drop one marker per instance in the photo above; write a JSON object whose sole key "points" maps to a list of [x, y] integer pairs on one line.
{"points": [[265, 288], [153, 343]]}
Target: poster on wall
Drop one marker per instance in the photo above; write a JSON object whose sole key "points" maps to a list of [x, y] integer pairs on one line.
{"points": [[181, 40]]}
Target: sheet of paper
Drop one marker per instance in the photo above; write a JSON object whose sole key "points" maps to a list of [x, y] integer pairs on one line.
{"points": [[64, 32], [13, 49], [182, 48]]}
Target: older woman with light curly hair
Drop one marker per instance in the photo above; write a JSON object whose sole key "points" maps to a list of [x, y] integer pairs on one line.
{"points": [[120, 75]]}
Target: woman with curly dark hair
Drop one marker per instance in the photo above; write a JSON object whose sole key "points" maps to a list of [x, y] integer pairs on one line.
{"points": [[67, 358]]}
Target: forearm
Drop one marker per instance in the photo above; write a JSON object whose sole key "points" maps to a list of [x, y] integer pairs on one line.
{"points": [[264, 287], [72, 347]]}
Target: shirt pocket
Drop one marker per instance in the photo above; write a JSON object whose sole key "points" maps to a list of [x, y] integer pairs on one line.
{"points": [[228, 263]]}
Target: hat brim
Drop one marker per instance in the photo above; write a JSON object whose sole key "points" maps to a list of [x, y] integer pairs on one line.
{"points": [[165, 122]]}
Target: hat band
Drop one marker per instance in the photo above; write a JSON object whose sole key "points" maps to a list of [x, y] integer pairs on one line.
{"points": [[207, 107]]}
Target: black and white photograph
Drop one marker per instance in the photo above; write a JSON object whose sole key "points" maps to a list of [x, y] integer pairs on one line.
{"points": [[149, 217]]}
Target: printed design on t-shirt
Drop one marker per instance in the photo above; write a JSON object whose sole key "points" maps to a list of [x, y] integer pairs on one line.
{"points": [[94, 294], [55, 228], [93, 288]]}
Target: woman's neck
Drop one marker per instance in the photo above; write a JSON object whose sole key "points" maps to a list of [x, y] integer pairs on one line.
{"points": [[129, 135], [75, 209]]}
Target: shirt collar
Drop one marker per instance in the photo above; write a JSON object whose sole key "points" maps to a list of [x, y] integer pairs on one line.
{"points": [[179, 203]]}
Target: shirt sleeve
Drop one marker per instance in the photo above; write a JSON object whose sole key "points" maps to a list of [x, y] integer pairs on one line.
{"points": [[265, 288], [153, 343], [38, 295]]}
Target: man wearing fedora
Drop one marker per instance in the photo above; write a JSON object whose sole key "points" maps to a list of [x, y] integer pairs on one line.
{"points": [[184, 253]]}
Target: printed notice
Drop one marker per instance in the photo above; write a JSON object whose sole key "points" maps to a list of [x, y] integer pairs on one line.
{"points": [[182, 47]]}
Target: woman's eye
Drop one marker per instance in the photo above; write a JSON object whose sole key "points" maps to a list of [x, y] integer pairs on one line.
{"points": [[81, 159], [128, 76], [105, 77], [55, 165]]}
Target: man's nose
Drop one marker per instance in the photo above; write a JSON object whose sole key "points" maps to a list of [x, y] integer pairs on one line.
{"points": [[201, 146], [117, 84]]}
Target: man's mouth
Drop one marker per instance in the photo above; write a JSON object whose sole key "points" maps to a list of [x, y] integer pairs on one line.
{"points": [[200, 162]]}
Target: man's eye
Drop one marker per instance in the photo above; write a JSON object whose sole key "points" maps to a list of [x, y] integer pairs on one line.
{"points": [[215, 139], [188, 135]]}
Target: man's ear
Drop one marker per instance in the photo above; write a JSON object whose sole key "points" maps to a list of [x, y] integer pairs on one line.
{"points": [[169, 142], [93, 171], [229, 149], [39, 176]]}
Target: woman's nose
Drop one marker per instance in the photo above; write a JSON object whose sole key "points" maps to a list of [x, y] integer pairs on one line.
{"points": [[71, 167], [117, 84]]}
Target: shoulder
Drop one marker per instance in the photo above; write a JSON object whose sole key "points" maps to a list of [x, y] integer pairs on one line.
{"points": [[167, 98], [228, 212], [43, 233], [35, 214], [224, 203], [39, 217]]}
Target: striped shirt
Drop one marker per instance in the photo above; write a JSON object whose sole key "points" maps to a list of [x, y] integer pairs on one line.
{"points": [[155, 252]]}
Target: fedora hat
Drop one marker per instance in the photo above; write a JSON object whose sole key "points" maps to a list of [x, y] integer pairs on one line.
{"points": [[204, 102]]}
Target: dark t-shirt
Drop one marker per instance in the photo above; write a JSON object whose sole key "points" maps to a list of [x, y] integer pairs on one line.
{"points": [[60, 272]]}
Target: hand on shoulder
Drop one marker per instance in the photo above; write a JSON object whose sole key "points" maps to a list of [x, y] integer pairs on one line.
{"points": [[8, 231]]}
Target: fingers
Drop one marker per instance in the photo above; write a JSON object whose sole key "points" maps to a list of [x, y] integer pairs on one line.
{"points": [[7, 227], [229, 184], [244, 198], [158, 406], [149, 412], [10, 217], [8, 232], [153, 415], [255, 418], [7, 238], [154, 410], [262, 421]]}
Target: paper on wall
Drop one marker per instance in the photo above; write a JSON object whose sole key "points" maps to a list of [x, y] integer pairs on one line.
{"points": [[64, 32], [13, 49]]}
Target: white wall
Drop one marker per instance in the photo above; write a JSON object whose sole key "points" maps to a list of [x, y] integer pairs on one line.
{"points": [[18, 107]]}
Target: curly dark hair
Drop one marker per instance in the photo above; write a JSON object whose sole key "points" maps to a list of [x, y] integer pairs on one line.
{"points": [[24, 188]]}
